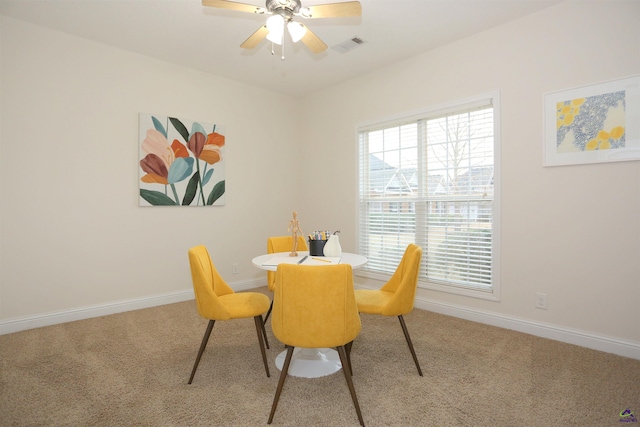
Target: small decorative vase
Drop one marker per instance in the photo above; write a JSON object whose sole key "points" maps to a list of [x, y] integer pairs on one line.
{"points": [[332, 247]]}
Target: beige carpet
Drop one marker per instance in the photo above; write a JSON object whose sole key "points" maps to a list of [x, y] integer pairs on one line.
{"points": [[131, 369]]}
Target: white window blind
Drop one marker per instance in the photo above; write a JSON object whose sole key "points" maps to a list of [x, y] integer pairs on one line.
{"points": [[429, 179]]}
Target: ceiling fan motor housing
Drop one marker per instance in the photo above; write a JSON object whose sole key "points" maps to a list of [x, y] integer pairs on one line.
{"points": [[291, 6]]}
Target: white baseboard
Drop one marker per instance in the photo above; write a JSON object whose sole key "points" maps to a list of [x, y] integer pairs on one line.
{"points": [[47, 319], [543, 330]]}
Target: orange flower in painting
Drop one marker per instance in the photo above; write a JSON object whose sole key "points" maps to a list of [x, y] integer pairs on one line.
{"points": [[207, 149]]}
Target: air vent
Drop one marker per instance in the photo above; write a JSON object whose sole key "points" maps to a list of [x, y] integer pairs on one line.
{"points": [[348, 45]]}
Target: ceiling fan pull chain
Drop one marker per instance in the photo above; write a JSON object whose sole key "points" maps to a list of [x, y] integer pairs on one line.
{"points": [[282, 48]]}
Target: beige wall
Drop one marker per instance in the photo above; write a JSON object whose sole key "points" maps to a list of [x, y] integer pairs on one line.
{"points": [[73, 236], [72, 233], [571, 232]]}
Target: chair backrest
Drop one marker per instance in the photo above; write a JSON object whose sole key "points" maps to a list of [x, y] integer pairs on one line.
{"points": [[208, 285], [282, 244], [315, 306], [403, 283]]}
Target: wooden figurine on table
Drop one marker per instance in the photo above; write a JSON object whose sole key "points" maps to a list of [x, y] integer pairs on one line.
{"points": [[294, 228]]}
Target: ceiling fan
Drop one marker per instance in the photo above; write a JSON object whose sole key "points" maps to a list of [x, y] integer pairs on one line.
{"points": [[282, 13]]}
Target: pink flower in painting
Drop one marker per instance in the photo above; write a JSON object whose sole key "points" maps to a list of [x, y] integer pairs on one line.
{"points": [[160, 160]]}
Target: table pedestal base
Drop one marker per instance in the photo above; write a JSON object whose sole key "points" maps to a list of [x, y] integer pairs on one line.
{"points": [[311, 362]]}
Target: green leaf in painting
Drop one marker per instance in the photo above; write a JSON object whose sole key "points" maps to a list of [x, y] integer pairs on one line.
{"points": [[207, 177], [159, 127], [156, 198], [192, 189], [182, 130], [216, 193]]}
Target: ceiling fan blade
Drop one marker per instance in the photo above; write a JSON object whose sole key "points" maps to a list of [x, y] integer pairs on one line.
{"points": [[313, 42], [255, 38], [333, 10], [232, 5]]}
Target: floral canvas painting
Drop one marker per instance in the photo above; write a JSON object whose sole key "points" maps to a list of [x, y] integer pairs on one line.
{"points": [[181, 162]]}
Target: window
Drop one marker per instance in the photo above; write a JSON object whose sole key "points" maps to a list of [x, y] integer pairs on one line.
{"points": [[431, 179]]}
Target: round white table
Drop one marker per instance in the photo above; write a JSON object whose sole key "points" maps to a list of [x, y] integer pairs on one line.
{"points": [[308, 362], [269, 261]]}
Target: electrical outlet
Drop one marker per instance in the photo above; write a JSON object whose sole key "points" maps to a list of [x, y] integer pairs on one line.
{"points": [[234, 268], [541, 300]]}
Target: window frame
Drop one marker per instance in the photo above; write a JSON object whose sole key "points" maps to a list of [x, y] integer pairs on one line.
{"points": [[448, 108]]}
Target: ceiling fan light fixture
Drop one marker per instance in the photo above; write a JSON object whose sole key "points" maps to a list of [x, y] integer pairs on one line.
{"points": [[275, 25], [297, 30], [283, 12]]}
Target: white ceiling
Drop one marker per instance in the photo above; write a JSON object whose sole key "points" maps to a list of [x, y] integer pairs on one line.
{"points": [[185, 32]]}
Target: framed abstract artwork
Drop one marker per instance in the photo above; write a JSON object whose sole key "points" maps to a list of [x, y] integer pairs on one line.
{"points": [[181, 162], [593, 124]]}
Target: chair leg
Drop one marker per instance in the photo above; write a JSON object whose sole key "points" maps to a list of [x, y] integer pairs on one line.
{"points": [[268, 312], [260, 330], [408, 338], [264, 333], [347, 374], [347, 347], [205, 339], [283, 376]]}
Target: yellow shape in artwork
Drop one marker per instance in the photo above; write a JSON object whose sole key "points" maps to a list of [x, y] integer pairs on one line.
{"points": [[568, 119], [567, 111], [603, 140], [591, 145], [604, 145], [617, 132]]}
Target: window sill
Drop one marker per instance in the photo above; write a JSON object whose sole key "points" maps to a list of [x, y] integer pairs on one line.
{"points": [[490, 294]]}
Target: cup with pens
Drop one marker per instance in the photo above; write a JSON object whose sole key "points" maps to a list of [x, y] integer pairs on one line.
{"points": [[317, 240]]}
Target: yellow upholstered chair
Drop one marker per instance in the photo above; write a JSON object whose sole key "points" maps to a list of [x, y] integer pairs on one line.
{"points": [[280, 244], [217, 301], [315, 307], [396, 297]]}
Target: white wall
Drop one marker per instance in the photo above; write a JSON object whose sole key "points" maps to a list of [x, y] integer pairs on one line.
{"points": [[571, 232], [72, 233]]}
